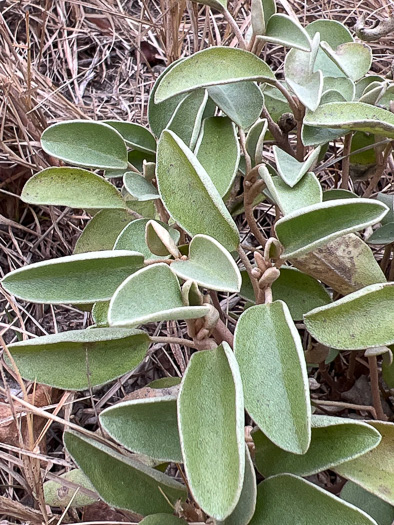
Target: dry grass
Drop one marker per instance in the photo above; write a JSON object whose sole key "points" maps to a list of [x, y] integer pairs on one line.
{"points": [[93, 59]]}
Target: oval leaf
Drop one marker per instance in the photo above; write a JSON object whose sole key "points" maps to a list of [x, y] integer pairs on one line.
{"points": [[242, 102], [375, 470], [147, 426], [77, 279], [308, 228], [218, 152], [211, 395], [334, 441], [139, 187], [271, 360], [102, 231], [72, 187], [383, 235], [77, 493], [159, 240], [288, 499], [342, 324], [281, 29], [184, 185], [151, 294], [211, 67], [290, 169], [209, 265], [121, 481], [353, 58], [78, 359], [135, 135], [86, 143], [378, 509], [352, 116]]}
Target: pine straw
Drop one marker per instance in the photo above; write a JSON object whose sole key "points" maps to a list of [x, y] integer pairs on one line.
{"points": [[95, 59]]}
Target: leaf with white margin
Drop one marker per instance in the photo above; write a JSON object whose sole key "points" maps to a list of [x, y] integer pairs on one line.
{"points": [[255, 140], [139, 187], [218, 152], [102, 231], [133, 237], [292, 500], [74, 187], [352, 116], [309, 228], [342, 324], [209, 265], [163, 519], [211, 67], [353, 58], [242, 102], [346, 264], [135, 135], [383, 235], [121, 481], [78, 359], [80, 493], [315, 136], [375, 470], [305, 193], [271, 360], [151, 294], [147, 426], [86, 143], [281, 29], [159, 240], [290, 169], [187, 118], [184, 185], [334, 441], [379, 510], [76, 279], [345, 86], [211, 398], [243, 512]]}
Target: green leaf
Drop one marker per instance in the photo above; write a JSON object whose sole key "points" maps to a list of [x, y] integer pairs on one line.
{"points": [[305, 193], [344, 86], [72, 187], [162, 519], [388, 200], [159, 115], [151, 294], [309, 91], [147, 426], [137, 158], [291, 500], [86, 143], [334, 441], [281, 29], [209, 265], [77, 279], [81, 493], [290, 169], [271, 360], [338, 194], [353, 58], [379, 510], [218, 152], [211, 398], [299, 291], [388, 368], [133, 236], [345, 264], [242, 102], [211, 67], [342, 324], [255, 140], [100, 313], [78, 359], [363, 83], [187, 118], [314, 136], [139, 187], [121, 481], [375, 470], [305, 230], [353, 116], [135, 135], [184, 185], [243, 512], [383, 235], [257, 17], [102, 231], [275, 102], [160, 241]]}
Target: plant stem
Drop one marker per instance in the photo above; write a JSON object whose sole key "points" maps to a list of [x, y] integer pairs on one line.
{"points": [[221, 333], [252, 187], [292, 102], [234, 26], [280, 138], [174, 340], [249, 268], [374, 375], [379, 170]]}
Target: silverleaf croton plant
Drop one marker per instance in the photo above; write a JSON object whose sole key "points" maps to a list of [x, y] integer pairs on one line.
{"points": [[162, 247]]}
